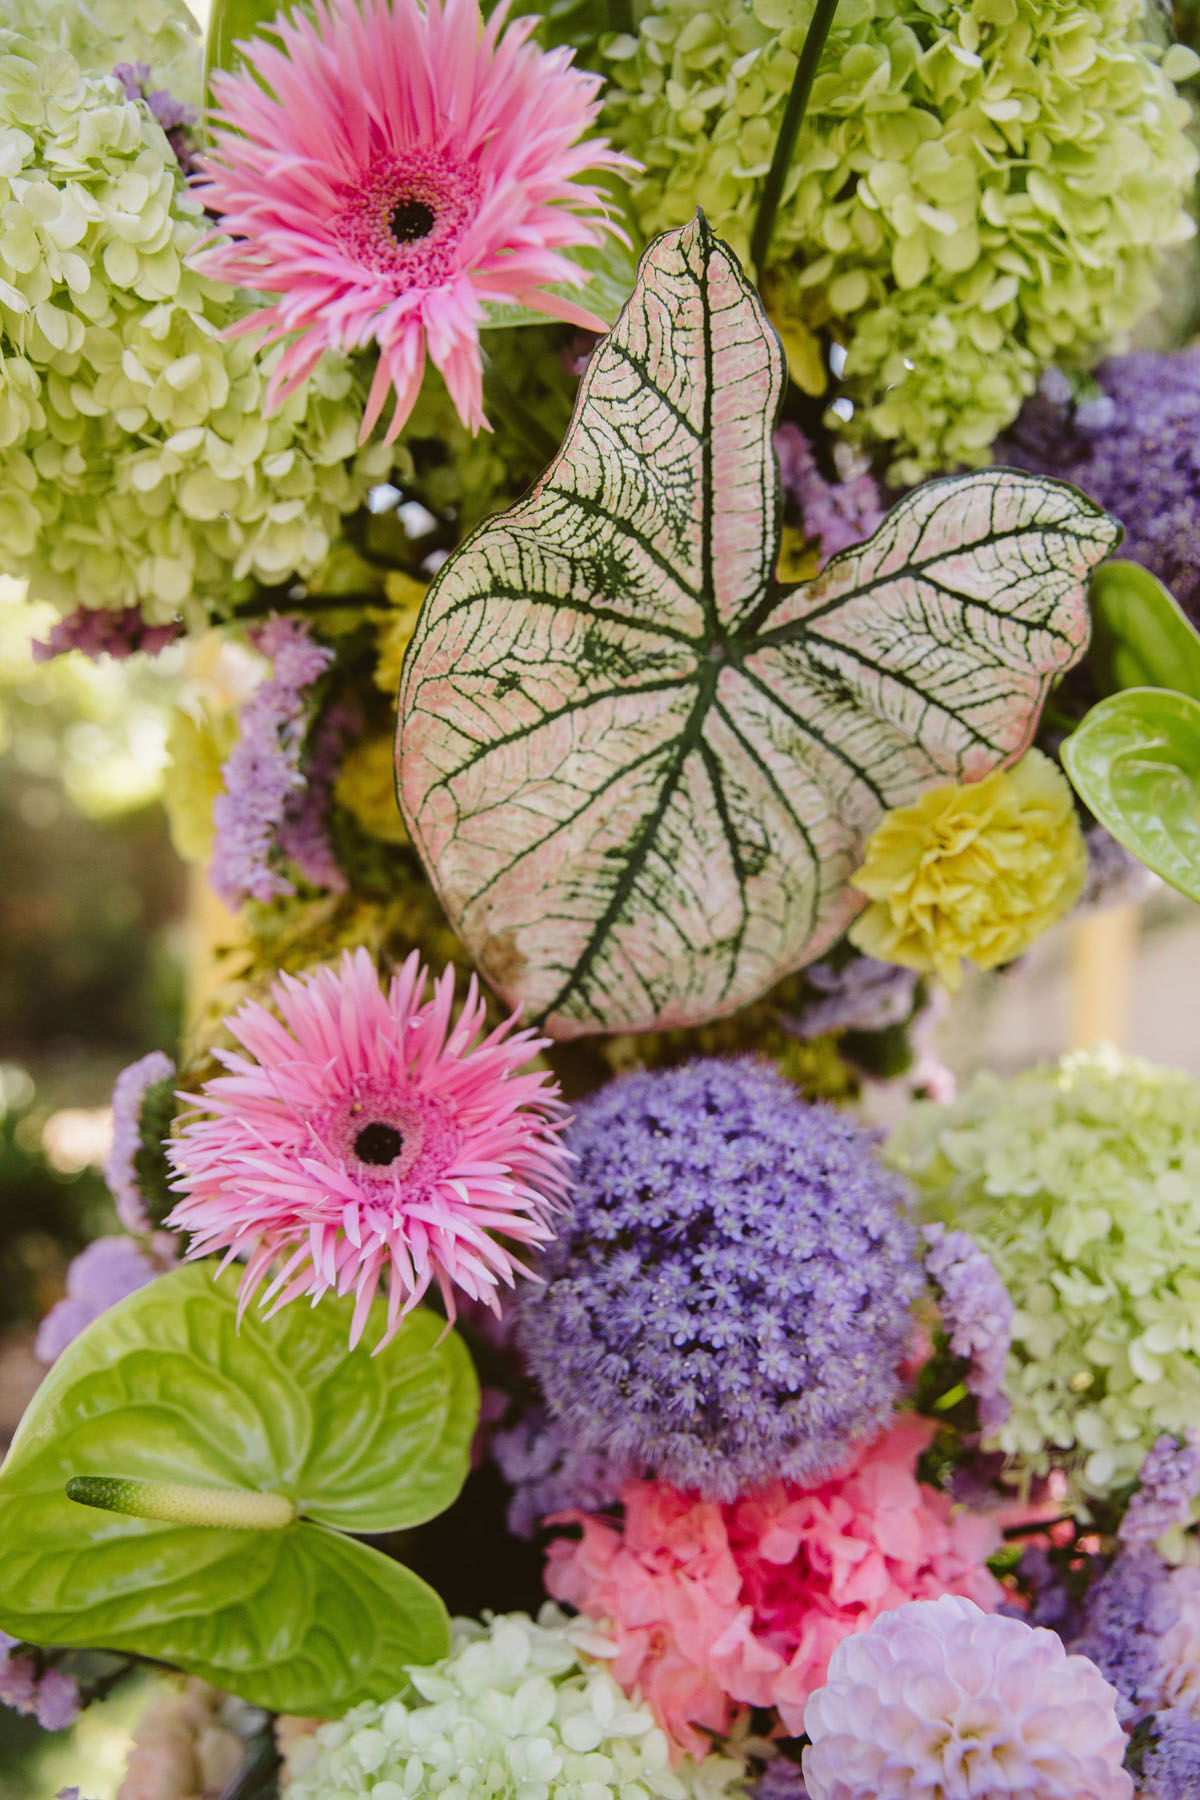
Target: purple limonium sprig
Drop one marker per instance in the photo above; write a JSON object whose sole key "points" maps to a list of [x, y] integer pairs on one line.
{"points": [[263, 772], [95, 633], [834, 514], [120, 1170], [1171, 1766], [866, 995], [304, 830], [1167, 1485], [107, 1271], [550, 1472], [51, 1697], [977, 1310], [175, 116], [1128, 1610]]}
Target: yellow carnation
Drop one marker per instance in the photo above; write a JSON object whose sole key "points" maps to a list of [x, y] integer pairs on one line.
{"points": [[367, 788], [972, 872], [396, 628], [197, 746]]}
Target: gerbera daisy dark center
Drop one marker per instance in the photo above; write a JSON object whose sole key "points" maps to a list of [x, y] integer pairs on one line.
{"points": [[378, 1143], [411, 219]]}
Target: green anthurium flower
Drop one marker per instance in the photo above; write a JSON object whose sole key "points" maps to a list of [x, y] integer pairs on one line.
{"points": [[180, 1485], [1141, 636]]}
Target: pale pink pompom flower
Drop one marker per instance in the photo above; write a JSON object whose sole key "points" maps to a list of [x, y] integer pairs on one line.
{"points": [[389, 169], [939, 1699], [365, 1138]]}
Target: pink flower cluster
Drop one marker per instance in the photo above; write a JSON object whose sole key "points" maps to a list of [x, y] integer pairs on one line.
{"points": [[713, 1606]]}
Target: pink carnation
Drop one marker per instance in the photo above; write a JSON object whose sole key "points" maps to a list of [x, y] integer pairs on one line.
{"points": [[713, 1606], [366, 1139], [939, 1699], [391, 169]]}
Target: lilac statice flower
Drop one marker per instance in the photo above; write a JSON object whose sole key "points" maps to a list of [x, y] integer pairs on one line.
{"points": [[865, 995], [1134, 449], [1167, 1485], [782, 1779], [1128, 1611], [175, 116], [977, 1311], [263, 772], [304, 830], [551, 1473], [95, 633], [52, 1697], [1171, 1766], [730, 1295], [833, 514], [104, 1273], [125, 1183]]}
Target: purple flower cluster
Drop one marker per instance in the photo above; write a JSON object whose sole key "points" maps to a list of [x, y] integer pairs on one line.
{"points": [[730, 1295], [865, 995], [175, 116], [121, 1168], [104, 1273], [51, 1697], [263, 772], [551, 1473], [304, 830], [1128, 1610], [834, 514], [1135, 450], [1168, 1484], [782, 1779], [1171, 1768], [95, 633], [977, 1311]]}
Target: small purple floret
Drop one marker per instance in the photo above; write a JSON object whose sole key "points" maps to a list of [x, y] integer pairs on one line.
{"points": [[550, 1473], [834, 514], [977, 1311], [1167, 1485], [101, 1275], [729, 1298]]}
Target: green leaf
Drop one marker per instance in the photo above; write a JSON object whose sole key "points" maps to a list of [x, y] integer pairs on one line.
{"points": [[1135, 762], [639, 771], [1141, 636], [165, 1388], [228, 21]]}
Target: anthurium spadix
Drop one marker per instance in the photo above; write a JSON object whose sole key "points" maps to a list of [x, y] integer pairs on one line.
{"points": [[640, 771], [180, 1488]]}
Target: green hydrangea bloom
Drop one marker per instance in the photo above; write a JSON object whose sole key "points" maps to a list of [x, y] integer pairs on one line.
{"points": [[515, 1710], [101, 33], [1082, 1181], [135, 464], [979, 188]]}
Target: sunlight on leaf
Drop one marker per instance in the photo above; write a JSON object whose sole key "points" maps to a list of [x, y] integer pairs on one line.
{"points": [[639, 771]]}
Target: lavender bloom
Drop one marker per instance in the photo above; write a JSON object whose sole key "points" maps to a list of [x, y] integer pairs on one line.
{"points": [[52, 1698], [101, 1275], [95, 634], [263, 772], [1168, 1483], [730, 1296], [175, 116], [782, 1779], [834, 514], [977, 1311], [1171, 1767], [1135, 450], [121, 1171], [1128, 1609], [867, 995], [304, 830], [550, 1473]]}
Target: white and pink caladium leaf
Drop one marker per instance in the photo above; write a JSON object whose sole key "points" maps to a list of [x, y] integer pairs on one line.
{"points": [[639, 771]]}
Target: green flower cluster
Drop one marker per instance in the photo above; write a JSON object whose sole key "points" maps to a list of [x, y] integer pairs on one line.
{"points": [[135, 464], [1082, 1182], [980, 188], [101, 33], [514, 1711]]}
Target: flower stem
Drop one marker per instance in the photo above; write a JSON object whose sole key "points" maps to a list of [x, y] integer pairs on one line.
{"points": [[785, 143], [180, 1503]]}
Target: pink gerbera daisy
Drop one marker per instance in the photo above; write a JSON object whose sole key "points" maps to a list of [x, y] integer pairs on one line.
{"points": [[389, 170], [363, 1135]]}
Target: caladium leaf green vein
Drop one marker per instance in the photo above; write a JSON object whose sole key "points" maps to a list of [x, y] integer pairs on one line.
{"points": [[639, 769]]}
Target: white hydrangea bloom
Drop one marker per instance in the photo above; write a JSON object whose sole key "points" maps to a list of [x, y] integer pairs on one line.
{"points": [[517, 1709]]}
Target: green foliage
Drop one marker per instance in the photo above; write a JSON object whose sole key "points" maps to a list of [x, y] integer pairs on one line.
{"points": [[229, 21], [1135, 763], [166, 1388], [1141, 636]]}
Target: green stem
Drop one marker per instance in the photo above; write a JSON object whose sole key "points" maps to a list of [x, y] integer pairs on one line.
{"points": [[539, 440], [262, 608], [620, 17], [182, 1503], [785, 143], [258, 1777]]}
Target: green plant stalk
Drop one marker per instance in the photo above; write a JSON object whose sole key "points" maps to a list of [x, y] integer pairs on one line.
{"points": [[785, 143]]}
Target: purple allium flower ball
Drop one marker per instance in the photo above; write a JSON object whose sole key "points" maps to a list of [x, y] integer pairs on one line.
{"points": [[729, 1297], [1171, 1769], [941, 1698]]}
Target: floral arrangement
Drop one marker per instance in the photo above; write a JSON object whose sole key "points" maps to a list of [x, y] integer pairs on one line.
{"points": [[657, 474]]}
